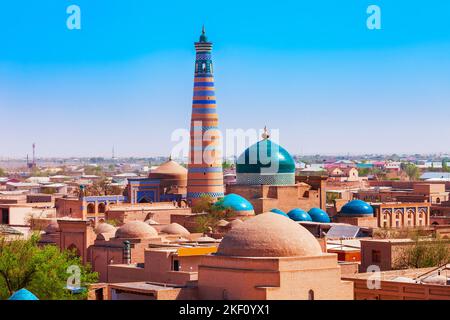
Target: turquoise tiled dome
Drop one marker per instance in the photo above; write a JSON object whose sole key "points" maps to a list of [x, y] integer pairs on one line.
{"points": [[260, 156], [280, 212], [23, 294], [267, 163], [318, 215], [299, 215], [235, 202], [357, 208]]}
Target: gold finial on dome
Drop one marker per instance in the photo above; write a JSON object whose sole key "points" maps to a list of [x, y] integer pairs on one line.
{"points": [[265, 134]]}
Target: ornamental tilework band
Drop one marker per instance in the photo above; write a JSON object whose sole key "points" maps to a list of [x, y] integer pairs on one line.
{"points": [[197, 195], [205, 110], [204, 128], [266, 179]]}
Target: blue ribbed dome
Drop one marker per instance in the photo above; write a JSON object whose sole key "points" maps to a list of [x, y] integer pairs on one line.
{"points": [[235, 202], [318, 215], [278, 211], [357, 208], [299, 215], [23, 294]]}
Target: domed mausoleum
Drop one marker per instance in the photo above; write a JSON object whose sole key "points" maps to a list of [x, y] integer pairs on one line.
{"points": [[319, 215], [265, 176], [299, 215], [269, 257], [266, 163], [170, 173], [168, 182]]}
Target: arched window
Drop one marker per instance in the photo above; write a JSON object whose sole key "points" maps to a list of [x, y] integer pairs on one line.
{"points": [[311, 295], [101, 207], [91, 208], [410, 219]]}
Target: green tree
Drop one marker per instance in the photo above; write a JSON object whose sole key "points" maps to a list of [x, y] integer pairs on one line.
{"points": [[203, 204], [2, 173], [412, 171], [213, 212], [445, 167], [363, 172], [424, 254], [227, 165], [41, 270]]}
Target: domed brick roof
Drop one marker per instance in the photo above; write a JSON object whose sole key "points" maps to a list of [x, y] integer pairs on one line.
{"points": [[136, 230], [105, 228], [235, 223], [52, 227], [268, 235], [169, 170], [175, 228], [222, 223]]}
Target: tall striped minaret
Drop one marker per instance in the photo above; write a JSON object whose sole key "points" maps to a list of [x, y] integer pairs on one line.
{"points": [[205, 175]]}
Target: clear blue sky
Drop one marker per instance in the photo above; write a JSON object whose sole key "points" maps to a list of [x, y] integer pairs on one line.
{"points": [[309, 68]]}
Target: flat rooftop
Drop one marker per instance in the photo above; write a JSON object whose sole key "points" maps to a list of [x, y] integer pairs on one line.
{"points": [[421, 275], [145, 286]]}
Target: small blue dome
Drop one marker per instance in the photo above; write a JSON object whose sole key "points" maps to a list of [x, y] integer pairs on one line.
{"points": [[299, 215], [357, 208], [23, 294], [318, 215], [278, 211], [235, 202]]}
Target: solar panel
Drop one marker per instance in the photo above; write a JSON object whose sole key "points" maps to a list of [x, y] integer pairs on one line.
{"points": [[339, 231]]}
